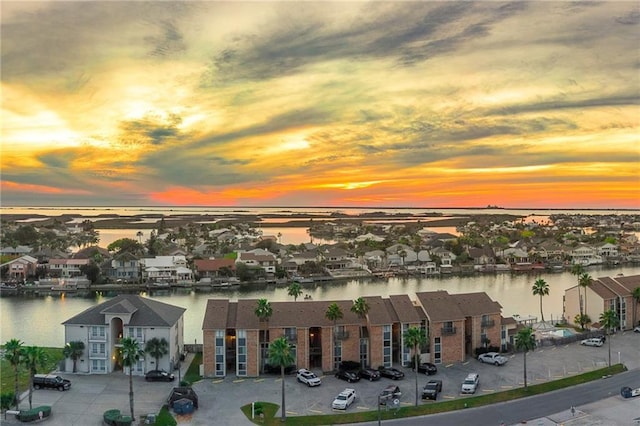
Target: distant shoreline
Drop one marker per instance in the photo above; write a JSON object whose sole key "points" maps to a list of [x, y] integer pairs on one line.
{"points": [[301, 220]]}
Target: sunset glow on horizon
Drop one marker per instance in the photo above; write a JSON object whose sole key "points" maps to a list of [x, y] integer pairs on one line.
{"points": [[319, 103]]}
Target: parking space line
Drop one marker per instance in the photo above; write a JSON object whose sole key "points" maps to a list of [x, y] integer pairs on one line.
{"points": [[488, 390], [465, 363], [362, 408], [215, 382], [317, 411], [506, 387], [449, 365], [448, 397], [238, 381], [258, 380], [293, 413]]}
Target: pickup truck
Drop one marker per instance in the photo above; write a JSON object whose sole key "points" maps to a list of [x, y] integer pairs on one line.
{"points": [[51, 381], [431, 389]]}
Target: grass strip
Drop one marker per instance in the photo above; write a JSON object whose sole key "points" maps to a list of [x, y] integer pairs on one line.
{"points": [[433, 408]]}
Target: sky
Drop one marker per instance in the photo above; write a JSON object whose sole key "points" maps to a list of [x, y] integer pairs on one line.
{"points": [[321, 103]]}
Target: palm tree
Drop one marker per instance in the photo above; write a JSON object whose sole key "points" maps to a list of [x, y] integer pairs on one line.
{"points": [[334, 313], [13, 352], [609, 320], [415, 338], [33, 358], [74, 351], [525, 341], [131, 352], [294, 290], [577, 270], [263, 312], [360, 307], [157, 348], [540, 288], [280, 353], [585, 281], [636, 299]]}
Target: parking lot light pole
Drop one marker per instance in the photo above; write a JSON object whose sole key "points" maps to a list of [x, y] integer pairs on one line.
{"points": [[379, 414]]}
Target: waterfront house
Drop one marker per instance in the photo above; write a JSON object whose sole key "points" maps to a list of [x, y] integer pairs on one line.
{"points": [[21, 268], [602, 295], [260, 259], [102, 327], [124, 267], [213, 268], [236, 341], [165, 269], [585, 255], [15, 251], [67, 268]]}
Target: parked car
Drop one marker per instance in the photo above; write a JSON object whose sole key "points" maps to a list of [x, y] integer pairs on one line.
{"points": [[427, 368], [349, 376], [391, 373], [492, 358], [308, 377], [390, 392], [470, 384], [51, 381], [275, 369], [627, 392], [182, 392], [431, 389], [594, 341], [344, 399], [637, 329], [158, 376], [369, 374]]}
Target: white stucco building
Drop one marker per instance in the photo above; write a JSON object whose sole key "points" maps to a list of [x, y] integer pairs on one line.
{"points": [[102, 327]]}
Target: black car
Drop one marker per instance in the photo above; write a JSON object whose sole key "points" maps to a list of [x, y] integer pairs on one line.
{"points": [[427, 368], [183, 392], [349, 376], [369, 374], [432, 389], [158, 376], [51, 381], [391, 392], [391, 373], [275, 369]]}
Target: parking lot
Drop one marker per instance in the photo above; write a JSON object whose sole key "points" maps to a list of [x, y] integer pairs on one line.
{"points": [[220, 399]]}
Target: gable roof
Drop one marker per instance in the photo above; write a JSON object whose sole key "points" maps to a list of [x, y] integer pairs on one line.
{"points": [[144, 312], [440, 306], [404, 309]]}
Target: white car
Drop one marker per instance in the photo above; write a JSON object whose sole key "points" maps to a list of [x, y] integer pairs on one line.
{"points": [[594, 341], [470, 384], [344, 399], [307, 377], [637, 329], [492, 358]]}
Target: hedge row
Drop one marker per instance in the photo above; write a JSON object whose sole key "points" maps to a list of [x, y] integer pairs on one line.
{"points": [[115, 418], [34, 413]]}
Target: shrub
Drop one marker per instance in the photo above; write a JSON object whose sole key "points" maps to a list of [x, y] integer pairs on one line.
{"points": [[6, 400], [164, 418], [115, 418], [34, 413]]}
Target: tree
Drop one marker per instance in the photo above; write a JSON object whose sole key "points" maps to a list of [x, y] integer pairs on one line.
{"points": [[131, 353], [360, 307], [609, 320], [582, 319], [281, 353], [540, 288], [157, 348], [33, 358], [577, 270], [294, 290], [636, 299], [263, 312], [585, 281], [525, 341], [415, 338], [73, 351], [13, 352], [334, 313]]}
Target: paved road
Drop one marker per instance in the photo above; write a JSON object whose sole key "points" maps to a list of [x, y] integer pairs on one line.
{"points": [[551, 408]]}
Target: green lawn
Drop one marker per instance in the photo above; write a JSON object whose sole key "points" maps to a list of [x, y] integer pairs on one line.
{"points": [[7, 377], [432, 408]]}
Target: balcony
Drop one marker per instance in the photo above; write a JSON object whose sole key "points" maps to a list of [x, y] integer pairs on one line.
{"points": [[488, 323], [341, 335], [448, 331]]}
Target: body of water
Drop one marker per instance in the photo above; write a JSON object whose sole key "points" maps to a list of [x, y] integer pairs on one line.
{"points": [[37, 320]]}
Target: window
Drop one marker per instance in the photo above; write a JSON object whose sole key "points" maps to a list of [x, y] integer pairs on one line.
{"points": [[220, 354], [337, 354], [364, 351], [136, 333], [98, 332], [406, 352], [98, 365], [98, 349], [386, 345], [241, 349], [437, 351]]}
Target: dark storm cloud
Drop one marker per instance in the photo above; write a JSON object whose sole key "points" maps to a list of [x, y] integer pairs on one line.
{"points": [[150, 130], [570, 104], [63, 38]]}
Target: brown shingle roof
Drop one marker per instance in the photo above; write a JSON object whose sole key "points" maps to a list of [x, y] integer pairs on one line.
{"points": [[403, 307], [598, 287], [215, 314], [440, 306], [476, 304], [213, 264], [378, 313], [630, 282]]}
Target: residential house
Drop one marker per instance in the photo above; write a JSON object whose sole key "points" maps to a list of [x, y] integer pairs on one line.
{"points": [[264, 260], [15, 251], [102, 327], [21, 268], [585, 255], [607, 293], [165, 269], [124, 267], [213, 268], [67, 268]]}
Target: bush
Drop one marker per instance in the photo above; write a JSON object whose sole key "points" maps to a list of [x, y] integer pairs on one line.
{"points": [[164, 418], [6, 400], [34, 413], [115, 418]]}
